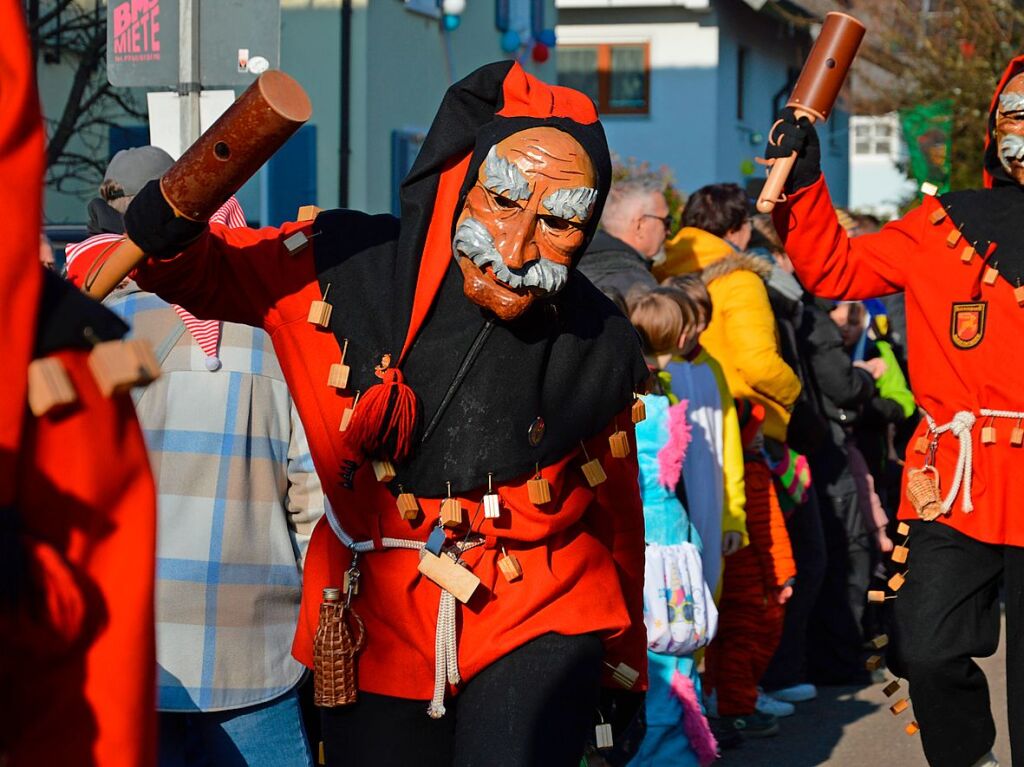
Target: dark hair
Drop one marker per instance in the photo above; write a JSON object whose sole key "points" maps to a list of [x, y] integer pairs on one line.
{"points": [[716, 208]]}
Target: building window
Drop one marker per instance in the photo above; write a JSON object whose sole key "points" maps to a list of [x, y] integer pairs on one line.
{"points": [[875, 136], [617, 77]]}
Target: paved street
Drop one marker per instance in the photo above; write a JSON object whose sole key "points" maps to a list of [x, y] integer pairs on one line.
{"points": [[852, 726]]}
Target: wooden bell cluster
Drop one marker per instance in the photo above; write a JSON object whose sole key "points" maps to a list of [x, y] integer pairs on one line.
{"points": [[989, 436], [968, 250]]}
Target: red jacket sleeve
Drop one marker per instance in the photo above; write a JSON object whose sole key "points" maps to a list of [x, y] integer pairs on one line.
{"points": [[235, 275], [617, 516], [832, 265]]}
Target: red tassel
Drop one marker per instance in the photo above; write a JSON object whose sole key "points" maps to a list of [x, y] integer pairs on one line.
{"points": [[383, 424]]}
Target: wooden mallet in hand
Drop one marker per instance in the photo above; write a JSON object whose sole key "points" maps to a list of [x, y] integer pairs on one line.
{"points": [[215, 167], [816, 91]]}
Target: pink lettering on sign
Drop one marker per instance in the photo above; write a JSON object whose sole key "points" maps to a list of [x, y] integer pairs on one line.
{"points": [[137, 30]]}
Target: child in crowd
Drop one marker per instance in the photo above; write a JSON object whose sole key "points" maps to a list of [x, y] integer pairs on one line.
{"points": [[677, 731]]}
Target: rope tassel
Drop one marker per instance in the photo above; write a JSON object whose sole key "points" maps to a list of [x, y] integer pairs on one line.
{"points": [[385, 421]]}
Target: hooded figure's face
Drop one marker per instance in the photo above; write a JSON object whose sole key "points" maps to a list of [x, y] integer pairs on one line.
{"points": [[524, 219], [1009, 128]]}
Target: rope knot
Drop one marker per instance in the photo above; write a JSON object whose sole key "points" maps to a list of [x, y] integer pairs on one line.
{"points": [[962, 423]]}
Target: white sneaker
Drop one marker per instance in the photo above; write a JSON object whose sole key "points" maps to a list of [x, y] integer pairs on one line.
{"points": [[798, 693], [988, 760], [768, 705]]}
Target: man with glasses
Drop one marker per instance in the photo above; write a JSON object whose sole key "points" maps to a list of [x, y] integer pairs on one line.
{"points": [[634, 225]]}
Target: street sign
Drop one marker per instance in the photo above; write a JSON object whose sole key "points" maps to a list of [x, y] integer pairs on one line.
{"points": [[238, 39]]}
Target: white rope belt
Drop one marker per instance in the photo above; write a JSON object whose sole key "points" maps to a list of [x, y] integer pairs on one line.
{"points": [[961, 426], [446, 648]]}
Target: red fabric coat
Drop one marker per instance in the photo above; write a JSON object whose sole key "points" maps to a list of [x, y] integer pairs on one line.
{"points": [[912, 255], [580, 553]]}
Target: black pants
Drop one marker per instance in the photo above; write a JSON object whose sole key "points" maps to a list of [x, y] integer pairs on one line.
{"points": [[533, 707], [789, 664], [946, 614]]}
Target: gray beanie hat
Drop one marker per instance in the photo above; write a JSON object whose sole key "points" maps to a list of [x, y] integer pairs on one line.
{"points": [[133, 168]]}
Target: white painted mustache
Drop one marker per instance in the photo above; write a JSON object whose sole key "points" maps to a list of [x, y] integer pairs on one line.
{"points": [[476, 243], [1011, 147]]}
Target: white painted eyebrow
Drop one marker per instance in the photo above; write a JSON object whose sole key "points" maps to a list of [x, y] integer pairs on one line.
{"points": [[1011, 102], [573, 202], [504, 177]]}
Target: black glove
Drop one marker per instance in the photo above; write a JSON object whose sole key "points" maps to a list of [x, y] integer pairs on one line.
{"points": [[151, 224], [791, 135]]}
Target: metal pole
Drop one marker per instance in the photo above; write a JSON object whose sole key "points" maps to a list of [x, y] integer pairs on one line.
{"points": [[345, 104], [188, 72]]}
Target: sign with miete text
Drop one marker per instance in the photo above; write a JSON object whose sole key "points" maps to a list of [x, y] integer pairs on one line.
{"points": [[238, 39]]}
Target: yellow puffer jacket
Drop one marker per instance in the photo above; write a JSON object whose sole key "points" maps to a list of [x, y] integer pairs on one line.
{"points": [[741, 335]]}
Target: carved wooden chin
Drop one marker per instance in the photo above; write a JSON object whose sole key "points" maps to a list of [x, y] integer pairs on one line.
{"points": [[483, 291]]}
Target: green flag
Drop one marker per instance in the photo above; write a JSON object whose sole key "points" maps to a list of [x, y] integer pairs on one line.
{"points": [[928, 131]]}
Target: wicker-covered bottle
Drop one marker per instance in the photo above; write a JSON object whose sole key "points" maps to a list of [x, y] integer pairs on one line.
{"points": [[334, 651], [923, 492]]}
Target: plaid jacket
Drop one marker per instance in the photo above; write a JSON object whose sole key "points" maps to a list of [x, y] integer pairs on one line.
{"points": [[237, 500]]}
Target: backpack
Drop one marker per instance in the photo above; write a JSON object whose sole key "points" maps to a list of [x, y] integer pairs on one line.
{"points": [[679, 609]]}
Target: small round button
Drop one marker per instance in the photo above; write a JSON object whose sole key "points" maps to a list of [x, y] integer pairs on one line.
{"points": [[536, 433]]}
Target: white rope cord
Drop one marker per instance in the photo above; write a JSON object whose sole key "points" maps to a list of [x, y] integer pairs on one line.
{"points": [[986, 413]]}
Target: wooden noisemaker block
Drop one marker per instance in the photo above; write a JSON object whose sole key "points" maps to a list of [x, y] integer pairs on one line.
{"points": [[510, 567], [491, 501], [874, 663], [903, 529], [1018, 295], [967, 254], [449, 575], [892, 688], [295, 243], [937, 216], [897, 581], [880, 641], [876, 597], [990, 276], [953, 238], [921, 445], [118, 366], [900, 554], [347, 413], [639, 411], [988, 434], [603, 736], [624, 675], [320, 311], [899, 706], [592, 469], [49, 386], [539, 490], [619, 444], [408, 506], [307, 213], [913, 728], [338, 375], [451, 510], [1017, 436], [384, 471]]}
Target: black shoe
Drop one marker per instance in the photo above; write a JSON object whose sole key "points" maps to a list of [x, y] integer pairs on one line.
{"points": [[726, 735], [755, 725]]}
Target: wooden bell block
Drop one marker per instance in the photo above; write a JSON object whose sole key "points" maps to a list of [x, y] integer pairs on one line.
{"points": [[338, 376], [118, 366], [913, 728], [449, 575], [492, 506], [1017, 437], [897, 581], [892, 688], [384, 471], [625, 676], [899, 706], [594, 472], [408, 506], [990, 276], [320, 313], [639, 411], [900, 553], [929, 189], [1018, 295], [967, 254], [307, 213], [874, 663], [937, 216], [321, 755], [953, 238], [876, 597], [451, 512], [880, 641], [903, 529], [603, 736], [346, 418], [619, 444], [539, 490], [988, 435], [49, 386], [921, 445], [510, 567], [295, 243]]}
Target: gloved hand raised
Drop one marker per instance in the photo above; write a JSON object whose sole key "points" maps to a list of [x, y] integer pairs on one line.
{"points": [[792, 135], [151, 224]]}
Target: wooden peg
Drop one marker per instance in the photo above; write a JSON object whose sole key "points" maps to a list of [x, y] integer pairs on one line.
{"points": [[913, 728], [624, 675], [899, 706], [49, 386], [967, 254], [876, 597], [990, 276], [449, 575], [639, 411], [903, 529], [295, 243], [451, 510], [539, 490], [492, 503], [118, 366], [1017, 436], [937, 216], [921, 445], [619, 444], [988, 434], [509, 566], [897, 581], [1018, 294], [320, 311], [874, 663], [603, 736], [384, 471], [338, 375], [892, 688], [880, 641], [953, 238], [408, 506], [307, 213], [900, 553]]}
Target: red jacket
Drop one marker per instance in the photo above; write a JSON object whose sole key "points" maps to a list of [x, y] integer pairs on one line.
{"points": [[580, 554], [912, 255]]}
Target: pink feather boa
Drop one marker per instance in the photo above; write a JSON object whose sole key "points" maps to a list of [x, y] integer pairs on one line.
{"points": [[695, 724], [670, 457]]}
